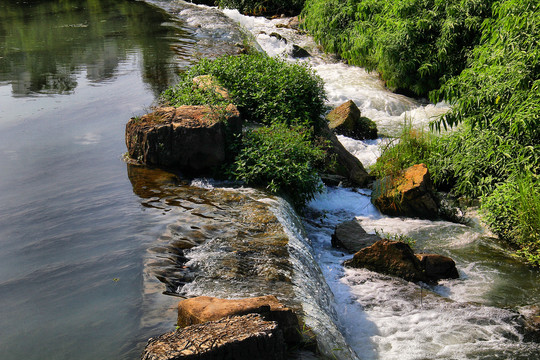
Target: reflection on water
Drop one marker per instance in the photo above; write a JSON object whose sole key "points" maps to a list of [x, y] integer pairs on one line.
{"points": [[72, 233], [45, 44]]}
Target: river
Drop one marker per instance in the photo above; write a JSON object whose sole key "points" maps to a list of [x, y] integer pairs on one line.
{"points": [[89, 244]]}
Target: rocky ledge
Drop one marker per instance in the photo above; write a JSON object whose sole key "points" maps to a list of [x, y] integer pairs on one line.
{"points": [[190, 138], [238, 337]]}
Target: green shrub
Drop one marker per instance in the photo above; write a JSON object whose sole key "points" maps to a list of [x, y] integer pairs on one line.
{"points": [[282, 159], [475, 161], [497, 102], [414, 44], [500, 90], [513, 212], [411, 147], [263, 7], [265, 90]]}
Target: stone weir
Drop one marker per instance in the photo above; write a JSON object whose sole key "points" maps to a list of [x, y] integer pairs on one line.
{"points": [[225, 243], [228, 243]]}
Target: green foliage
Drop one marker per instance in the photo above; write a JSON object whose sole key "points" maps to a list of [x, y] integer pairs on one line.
{"points": [[263, 7], [513, 213], [475, 161], [281, 159], [396, 237], [414, 44], [265, 90], [501, 88], [411, 147], [497, 102]]}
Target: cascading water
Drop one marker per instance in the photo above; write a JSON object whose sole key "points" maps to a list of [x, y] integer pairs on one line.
{"points": [[383, 317]]}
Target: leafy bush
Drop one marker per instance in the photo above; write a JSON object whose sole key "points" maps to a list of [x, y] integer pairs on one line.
{"points": [[500, 90], [281, 159], [513, 212], [475, 161], [411, 147], [414, 44], [265, 90], [497, 102], [263, 7]]}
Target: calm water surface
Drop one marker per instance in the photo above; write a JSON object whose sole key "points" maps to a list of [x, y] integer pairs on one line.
{"points": [[73, 233]]}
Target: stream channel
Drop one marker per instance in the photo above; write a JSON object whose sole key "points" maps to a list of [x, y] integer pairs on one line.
{"points": [[94, 253]]}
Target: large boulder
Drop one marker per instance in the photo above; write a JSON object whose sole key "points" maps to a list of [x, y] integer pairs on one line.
{"points": [[410, 193], [205, 308], [350, 235], [341, 162], [389, 257], [437, 267], [347, 120], [398, 259], [191, 138], [240, 338]]}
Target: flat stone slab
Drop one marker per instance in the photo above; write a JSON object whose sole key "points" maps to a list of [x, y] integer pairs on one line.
{"points": [[235, 338], [205, 308]]}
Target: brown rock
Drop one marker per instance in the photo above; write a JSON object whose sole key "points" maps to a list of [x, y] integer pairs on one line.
{"points": [[191, 138], [407, 194], [347, 120], [236, 338], [204, 308], [346, 164], [389, 257], [350, 235], [437, 267], [210, 83]]}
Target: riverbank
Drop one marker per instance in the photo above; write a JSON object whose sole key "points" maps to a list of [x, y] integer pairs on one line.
{"points": [[473, 270]]}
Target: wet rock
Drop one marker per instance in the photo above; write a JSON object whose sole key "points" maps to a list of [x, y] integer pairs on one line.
{"points": [[437, 267], [398, 259], [389, 257], [210, 83], [347, 120], [204, 308], [239, 337], [531, 322], [410, 193], [279, 37], [341, 162], [190, 138], [350, 235], [298, 52], [294, 23]]}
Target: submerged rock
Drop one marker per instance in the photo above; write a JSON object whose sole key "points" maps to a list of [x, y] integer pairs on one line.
{"points": [[190, 138], [398, 259], [350, 235], [205, 308], [347, 120], [240, 337], [278, 36], [410, 193]]}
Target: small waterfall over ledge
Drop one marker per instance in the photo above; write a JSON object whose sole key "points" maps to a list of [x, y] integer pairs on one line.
{"points": [[355, 313]]}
